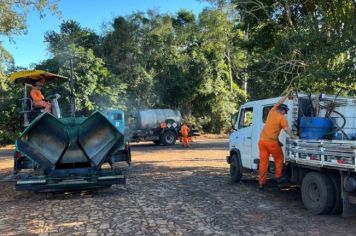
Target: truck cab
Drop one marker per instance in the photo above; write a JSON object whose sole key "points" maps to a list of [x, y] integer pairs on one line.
{"points": [[123, 153]]}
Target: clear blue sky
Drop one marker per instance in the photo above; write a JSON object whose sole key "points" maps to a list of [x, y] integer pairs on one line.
{"points": [[30, 48]]}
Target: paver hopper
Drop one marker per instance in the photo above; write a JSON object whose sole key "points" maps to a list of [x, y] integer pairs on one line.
{"points": [[70, 149]]}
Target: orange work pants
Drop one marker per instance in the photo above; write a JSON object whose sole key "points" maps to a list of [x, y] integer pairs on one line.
{"points": [[185, 141], [47, 106], [266, 148]]}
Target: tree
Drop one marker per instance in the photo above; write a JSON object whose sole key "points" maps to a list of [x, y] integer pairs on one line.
{"points": [[95, 87], [13, 14], [307, 43], [220, 87], [178, 62], [72, 33], [126, 55]]}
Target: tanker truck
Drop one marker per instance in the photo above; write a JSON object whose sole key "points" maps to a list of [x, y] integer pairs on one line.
{"points": [[55, 153], [158, 125]]}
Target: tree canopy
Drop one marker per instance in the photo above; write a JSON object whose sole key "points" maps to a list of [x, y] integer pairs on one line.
{"points": [[13, 15], [207, 64]]}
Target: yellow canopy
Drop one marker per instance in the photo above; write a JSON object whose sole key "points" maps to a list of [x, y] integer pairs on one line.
{"points": [[31, 76]]}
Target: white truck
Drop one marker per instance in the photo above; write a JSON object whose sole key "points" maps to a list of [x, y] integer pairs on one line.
{"points": [[323, 168]]}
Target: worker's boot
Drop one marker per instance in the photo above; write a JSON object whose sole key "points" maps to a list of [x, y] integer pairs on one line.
{"points": [[261, 187], [282, 182]]}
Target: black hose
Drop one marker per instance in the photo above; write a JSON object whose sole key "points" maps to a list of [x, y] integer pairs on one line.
{"points": [[339, 128], [311, 104]]}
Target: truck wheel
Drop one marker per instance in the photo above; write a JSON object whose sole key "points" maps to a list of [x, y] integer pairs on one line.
{"points": [[169, 138], [335, 179], [236, 168], [318, 193]]}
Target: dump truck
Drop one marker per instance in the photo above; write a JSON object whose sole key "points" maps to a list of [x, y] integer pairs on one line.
{"points": [[321, 161], [55, 153], [158, 125]]}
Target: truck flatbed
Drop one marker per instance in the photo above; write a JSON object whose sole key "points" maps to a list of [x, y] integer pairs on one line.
{"points": [[340, 154]]}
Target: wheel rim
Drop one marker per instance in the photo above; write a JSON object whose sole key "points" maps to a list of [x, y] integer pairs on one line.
{"points": [[169, 138], [314, 192]]}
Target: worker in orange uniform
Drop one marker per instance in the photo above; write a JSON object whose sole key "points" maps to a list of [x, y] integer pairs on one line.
{"points": [[184, 131], [269, 142], [38, 98]]}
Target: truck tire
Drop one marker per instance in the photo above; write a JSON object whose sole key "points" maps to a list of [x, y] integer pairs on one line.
{"points": [[129, 156], [318, 193], [235, 168], [336, 180], [169, 138]]}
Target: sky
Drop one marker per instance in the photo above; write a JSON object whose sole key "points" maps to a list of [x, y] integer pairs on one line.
{"points": [[30, 48]]}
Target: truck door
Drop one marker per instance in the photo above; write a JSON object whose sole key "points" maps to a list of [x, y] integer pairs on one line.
{"points": [[244, 136]]}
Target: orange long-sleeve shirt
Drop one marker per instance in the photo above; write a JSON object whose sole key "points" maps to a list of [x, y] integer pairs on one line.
{"points": [[274, 124], [36, 95]]}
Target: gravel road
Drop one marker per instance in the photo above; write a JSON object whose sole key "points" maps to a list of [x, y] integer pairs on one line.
{"points": [[169, 191]]}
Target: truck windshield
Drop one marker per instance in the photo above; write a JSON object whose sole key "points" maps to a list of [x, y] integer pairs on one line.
{"points": [[116, 116]]}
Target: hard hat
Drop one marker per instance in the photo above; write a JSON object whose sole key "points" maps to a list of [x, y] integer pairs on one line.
{"points": [[283, 107]]}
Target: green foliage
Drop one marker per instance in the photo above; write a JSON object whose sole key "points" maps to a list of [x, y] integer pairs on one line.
{"points": [[307, 43], [199, 63], [13, 14], [71, 33], [10, 117], [95, 88]]}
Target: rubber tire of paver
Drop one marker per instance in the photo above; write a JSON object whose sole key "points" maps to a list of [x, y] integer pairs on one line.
{"points": [[169, 138], [321, 186], [235, 168], [336, 180]]}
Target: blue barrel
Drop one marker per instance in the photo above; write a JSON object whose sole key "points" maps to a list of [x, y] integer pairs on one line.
{"points": [[314, 127]]}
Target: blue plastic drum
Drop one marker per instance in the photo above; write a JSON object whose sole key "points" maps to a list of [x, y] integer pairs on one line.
{"points": [[314, 127]]}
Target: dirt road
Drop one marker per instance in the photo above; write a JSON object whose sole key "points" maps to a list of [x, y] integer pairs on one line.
{"points": [[170, 191]]}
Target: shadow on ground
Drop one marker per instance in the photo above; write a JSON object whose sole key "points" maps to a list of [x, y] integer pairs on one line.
{"points": [[198, 145]]}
